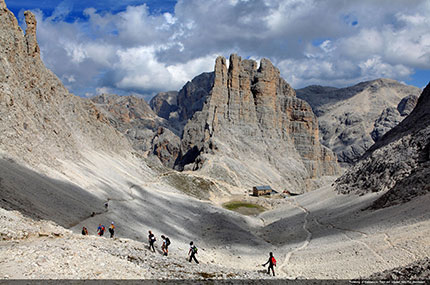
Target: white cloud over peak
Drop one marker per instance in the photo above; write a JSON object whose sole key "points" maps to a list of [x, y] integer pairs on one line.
{"points": [[312, 42]]}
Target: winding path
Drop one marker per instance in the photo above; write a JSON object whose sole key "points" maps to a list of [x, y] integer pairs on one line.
{"points": [[305, 243], [344, 230], [388, 241]]}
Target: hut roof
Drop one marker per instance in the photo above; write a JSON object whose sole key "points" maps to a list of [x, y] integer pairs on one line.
{"points": [[264, 187]]}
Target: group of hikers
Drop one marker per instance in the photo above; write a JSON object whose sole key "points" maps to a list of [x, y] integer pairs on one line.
{"points": [[166, 242], [101, 230], [151, 239], [165, 246]]}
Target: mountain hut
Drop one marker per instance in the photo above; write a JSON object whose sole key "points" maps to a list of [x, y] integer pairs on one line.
{"points": [[262, 190]]}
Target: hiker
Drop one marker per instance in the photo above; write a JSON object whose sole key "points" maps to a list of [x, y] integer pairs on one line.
{"points": [[151, 239], [93, 214], [165, 245], [101, 230], [84, 231], [272, 262], [106, 205], [192, 252], [111, 230]]}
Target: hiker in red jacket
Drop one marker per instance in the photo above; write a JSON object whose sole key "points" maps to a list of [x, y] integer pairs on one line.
{"points": [[272, 262], [101, 230]]}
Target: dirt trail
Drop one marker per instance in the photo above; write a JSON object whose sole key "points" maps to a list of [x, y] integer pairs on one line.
{"points": [[305, 243], [389, 242], [344, 230], [96, 214]]}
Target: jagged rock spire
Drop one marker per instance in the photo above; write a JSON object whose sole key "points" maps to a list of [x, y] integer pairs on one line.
{"points": [[2, 4], [30, 34]]}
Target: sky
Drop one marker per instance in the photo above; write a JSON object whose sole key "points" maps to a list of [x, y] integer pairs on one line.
{"points": [[145, 47]]}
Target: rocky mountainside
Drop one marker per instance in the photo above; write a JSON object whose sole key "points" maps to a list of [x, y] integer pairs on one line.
{"points": [[391, 117], [179, 107], [156, 128], [41, 122], [192, 96], [399, 163], [418, 270], [253, 130], [50, 139], [61, 160], [235, 124], [351, 119], [164, 104], [146, 131]]}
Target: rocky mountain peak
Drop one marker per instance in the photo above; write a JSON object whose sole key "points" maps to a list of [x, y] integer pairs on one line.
{"points": [[220, 71], [2, 4], [252, 109], [351, 119]]}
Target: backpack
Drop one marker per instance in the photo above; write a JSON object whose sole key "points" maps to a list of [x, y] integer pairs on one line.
{"points": [[194, 248], [167, 241], [273, 261]]}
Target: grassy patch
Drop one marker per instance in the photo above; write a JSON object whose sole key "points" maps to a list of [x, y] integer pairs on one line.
{"points": [[191, 185], [244, 207]]}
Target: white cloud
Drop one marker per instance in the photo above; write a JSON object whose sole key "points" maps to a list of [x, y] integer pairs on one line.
{"points": [[102, 90], [312, 42], [141, 70], [375, 67], [75, 51], [69, 78], [327, 46]]}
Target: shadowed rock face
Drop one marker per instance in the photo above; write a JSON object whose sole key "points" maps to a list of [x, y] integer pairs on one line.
{"points": [[146, 131], [399, 163], [391, 117], [193, 95], [179, 107], [351, 119], [164, 103], [251, 122]]}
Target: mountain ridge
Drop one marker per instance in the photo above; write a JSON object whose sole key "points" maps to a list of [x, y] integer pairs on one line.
{"points": [[351, 119], [399, 163]]}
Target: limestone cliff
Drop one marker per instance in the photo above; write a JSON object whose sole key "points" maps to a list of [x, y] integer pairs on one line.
{"points": [[253, 130], [41, 122]]}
